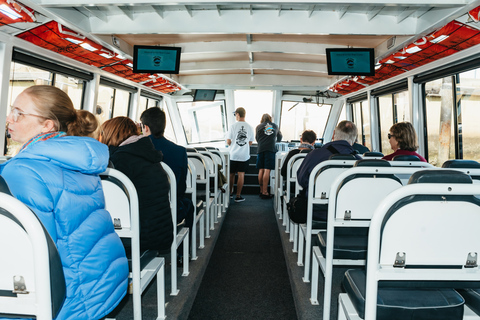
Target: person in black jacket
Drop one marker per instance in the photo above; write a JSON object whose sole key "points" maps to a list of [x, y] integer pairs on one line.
{"points": [[137, 158]]}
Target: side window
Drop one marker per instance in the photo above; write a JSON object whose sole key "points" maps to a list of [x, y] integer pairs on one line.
{"points": [[387, 118], [362, 121], [468, 92], [440, 120], [392, 108]]}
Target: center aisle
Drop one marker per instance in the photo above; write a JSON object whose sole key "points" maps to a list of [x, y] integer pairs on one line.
{"points": [[246, 277]]}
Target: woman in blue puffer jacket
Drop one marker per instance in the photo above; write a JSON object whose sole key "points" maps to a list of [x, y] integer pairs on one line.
{"points": [[56, 174]]}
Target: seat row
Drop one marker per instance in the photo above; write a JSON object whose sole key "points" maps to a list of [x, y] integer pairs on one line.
{"points": [[31, 273], [350, 195]]}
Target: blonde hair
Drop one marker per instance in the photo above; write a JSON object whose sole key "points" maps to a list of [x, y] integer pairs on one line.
{"points": [[117, 130], [87, 124], [54, 104]]}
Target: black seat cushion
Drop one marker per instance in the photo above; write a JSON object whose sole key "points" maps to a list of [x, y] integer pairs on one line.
{"points": [[405, 303], [472, 299], [439, 176], [341, 156], [373, 154], [406, 157], [461, 163], [372, 163], [350, 243]]}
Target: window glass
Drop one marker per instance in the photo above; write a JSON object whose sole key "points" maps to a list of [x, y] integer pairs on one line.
{"points": [[303, 116], [104, 103], [152, 103], [142, 106], [468, 96], [402, 106], [121, 103], [71, 86], [440, 123], [22, 77], [256, 103], [169, 132], [203, 121], [357, 119], [366, 126], [385, 113]]}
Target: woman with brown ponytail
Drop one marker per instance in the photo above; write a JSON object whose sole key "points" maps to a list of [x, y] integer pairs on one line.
{"points": [[55, 173]]}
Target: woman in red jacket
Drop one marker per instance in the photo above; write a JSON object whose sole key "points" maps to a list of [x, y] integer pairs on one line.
{"points": [[403, 140]]}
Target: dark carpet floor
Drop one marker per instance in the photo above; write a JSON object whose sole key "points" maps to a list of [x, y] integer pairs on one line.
{"points": [[246, 277]]}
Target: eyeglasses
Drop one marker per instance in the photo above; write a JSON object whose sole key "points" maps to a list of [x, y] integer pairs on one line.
{"points": [[390, 135], [16, 114], [234, 113]]}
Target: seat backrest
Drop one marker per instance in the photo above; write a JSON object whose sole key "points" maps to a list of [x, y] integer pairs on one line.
{"points": [[441, 208], [419, 164], [293, 164], [359, 190], [200, 166], [172, 194], [323, 175], [191, 176], [426, 230], [211, 162], [31, 262], [117, 200]]}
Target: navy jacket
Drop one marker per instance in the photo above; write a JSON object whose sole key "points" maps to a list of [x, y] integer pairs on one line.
{"points": [[319, 155], [175, 157]]}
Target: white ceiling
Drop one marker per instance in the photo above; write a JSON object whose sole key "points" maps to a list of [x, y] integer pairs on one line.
{"points": [[253, 44]]}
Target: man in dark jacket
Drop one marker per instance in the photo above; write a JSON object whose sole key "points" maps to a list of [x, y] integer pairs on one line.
{"points": [[175, 156], [344, 137]]}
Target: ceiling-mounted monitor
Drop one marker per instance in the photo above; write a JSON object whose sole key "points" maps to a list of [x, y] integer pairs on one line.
{"points": [[204, 95], [351, 61], [156, 59]]}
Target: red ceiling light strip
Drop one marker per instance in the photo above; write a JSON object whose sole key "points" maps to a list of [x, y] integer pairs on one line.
{"points": [[55, 37], [450, 39]]}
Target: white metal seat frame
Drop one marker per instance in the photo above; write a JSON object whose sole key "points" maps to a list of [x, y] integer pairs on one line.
{"points": [[220, 160], [198, 217], [178, 237], [278, 181], [292, 167], [359, 197], [203, 177], [319, 183], [25, 261], [212, 163], [425, 244], [122, 203]]}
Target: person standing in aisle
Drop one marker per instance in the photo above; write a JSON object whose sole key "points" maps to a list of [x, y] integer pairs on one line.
{"points": [[239, 139], [267, 134]]}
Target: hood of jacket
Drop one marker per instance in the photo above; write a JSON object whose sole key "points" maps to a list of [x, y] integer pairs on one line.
{"points": [[82, 154], [142, 147]]}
